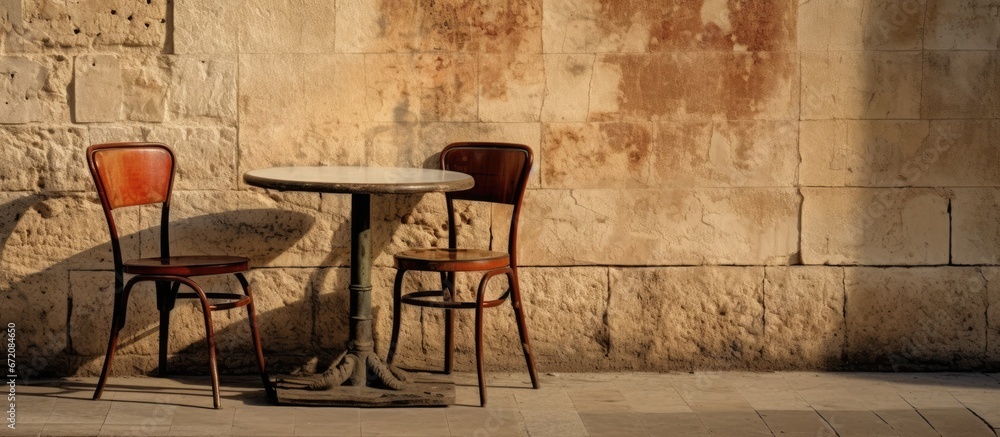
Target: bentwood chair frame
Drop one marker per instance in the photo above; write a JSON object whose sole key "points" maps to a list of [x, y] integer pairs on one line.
{"points": [[134, 174], [501, 173]]}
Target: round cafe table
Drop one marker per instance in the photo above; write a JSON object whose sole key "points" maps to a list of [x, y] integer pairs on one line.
{"points": [[371, 381]]}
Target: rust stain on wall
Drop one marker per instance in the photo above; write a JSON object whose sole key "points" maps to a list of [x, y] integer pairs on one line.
{"points": [[763, 25], [651, 84], [751, 80], [631, 140], [743, 25], [704, 84]]}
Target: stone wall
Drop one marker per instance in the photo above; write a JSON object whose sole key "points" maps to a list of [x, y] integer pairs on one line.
{"points": [[718, 185]]}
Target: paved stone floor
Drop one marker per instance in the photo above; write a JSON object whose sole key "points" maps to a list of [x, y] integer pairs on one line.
{"points": [[606, 404]]}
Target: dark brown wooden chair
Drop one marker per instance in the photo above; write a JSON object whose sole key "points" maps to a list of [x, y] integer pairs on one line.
{"points": [[501, 174], [132, 174]]}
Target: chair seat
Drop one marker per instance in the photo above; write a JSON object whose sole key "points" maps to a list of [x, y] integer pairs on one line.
{"points": [[451, 260], [188, 265]]}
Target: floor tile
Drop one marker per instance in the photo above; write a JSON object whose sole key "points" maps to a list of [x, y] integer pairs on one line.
{"points": [[907, 422], [672, 424], [140, 413], [135, 430], [74, 411], [849, 423], [490, 420], [613, 424], [71, 429], [553, 423], [782, 422], [33, 429], [696, 404], [404, 422], [328, 421], [955, 421]]}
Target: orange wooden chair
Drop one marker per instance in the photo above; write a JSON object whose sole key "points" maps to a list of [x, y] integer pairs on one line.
{"points": [[501, 174], [132, 174]]}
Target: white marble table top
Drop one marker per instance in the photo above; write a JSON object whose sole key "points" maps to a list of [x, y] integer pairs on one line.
{"points": [[374, 180]]}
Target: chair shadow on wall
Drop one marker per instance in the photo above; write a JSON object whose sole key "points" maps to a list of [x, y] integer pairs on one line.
{"points": [[252, 233]]}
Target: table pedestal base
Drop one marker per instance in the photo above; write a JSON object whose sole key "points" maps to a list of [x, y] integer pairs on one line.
{"points": [[420, 391]]}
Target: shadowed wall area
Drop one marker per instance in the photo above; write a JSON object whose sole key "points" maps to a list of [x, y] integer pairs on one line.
{"points": [[736, 184]]}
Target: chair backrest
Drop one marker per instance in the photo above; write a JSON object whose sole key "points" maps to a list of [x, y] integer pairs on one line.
{"points": [[128, 174], [501, 174], [132, 174]]}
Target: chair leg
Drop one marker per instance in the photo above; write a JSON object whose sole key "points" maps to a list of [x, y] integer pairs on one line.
{"points": [[397, 313], [210, 338], [255, 336], [166, 295], [479, 355], [117, 323], [448, 290], [164, 339], [522, 327]]}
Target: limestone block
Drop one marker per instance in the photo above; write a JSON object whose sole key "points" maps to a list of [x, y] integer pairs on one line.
{"points": [[695, 86], [992, 277], [975, 226], [678, 318], [861, 24], [874, 226], [21, 82], [898, 153], [441, 26], [373, 27], [508, 27], [205, 156], [894, 25], [596, 155], [272, 229], [511, 87], [565, 310], [146, 81], [865, 85], [587, 27], [92, 298], [566, 76], [418, 144], [916, 317], [203, 89], [710, 226], [421, 334], [59, 232], [46, 25], [273, 112], [725, 154], [401, 222], [36, 304], [329, 290], [804, 317], [636, 26], [404, 87], [97, 89], [445, 26], [206, 27], [35, 88], [11, 21], [43, 158], [287, 26], [966, 25], [285, 303], [961, 84]]}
